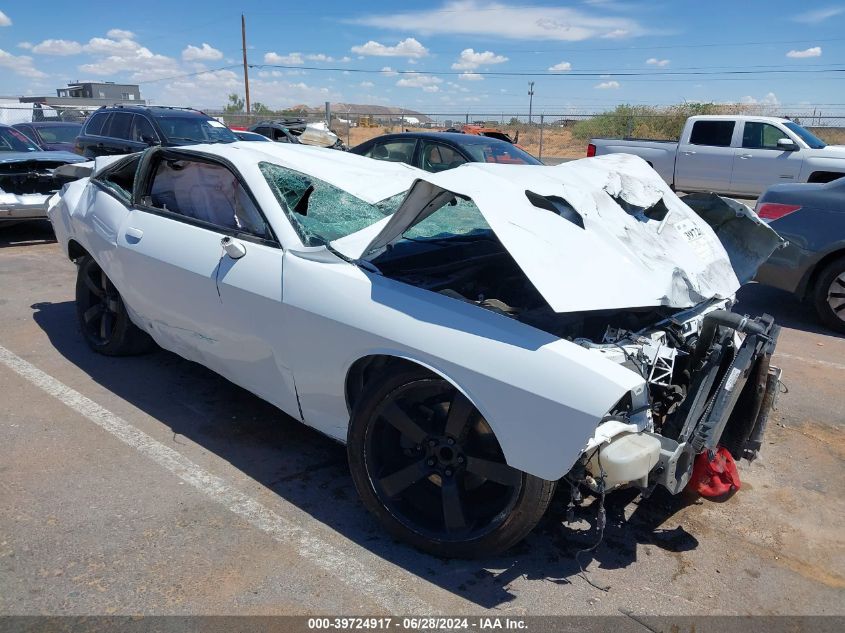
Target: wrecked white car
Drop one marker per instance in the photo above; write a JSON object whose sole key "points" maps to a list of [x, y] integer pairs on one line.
{"points": [[27, 176], [474, 336]]}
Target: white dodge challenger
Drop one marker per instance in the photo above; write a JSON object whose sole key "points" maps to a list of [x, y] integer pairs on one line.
{"points": [[474, 336]]}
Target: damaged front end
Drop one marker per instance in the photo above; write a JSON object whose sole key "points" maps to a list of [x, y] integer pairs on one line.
{"points": [[27, 183], [709, 384]]}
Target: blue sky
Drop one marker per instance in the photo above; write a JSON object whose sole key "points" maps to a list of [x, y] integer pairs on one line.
{"points": [[444, 50]]}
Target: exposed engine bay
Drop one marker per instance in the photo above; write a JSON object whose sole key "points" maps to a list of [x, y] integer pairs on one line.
{"points": [[706, 369], [26, 186]]}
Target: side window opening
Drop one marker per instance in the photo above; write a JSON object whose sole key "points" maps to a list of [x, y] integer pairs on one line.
{"points": [[206, 192], [120, 178], [712, 133], [761, 136]]}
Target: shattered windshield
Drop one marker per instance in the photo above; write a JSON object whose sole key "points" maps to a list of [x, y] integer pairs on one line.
{"points": [[459, 218], [320, 212]]}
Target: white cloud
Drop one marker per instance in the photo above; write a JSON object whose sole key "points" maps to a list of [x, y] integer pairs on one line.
{"points": [[470, 60], [25, 45], [120, 34], [57, 47], [291, 59], [125, 55], [492, 18], [428, 83], [20, 65], [817, 16], [319, 57], [205, 52], [561, 67], [769, 99], [814, 51], [5, 20], [608, 85], [653, 61], [470, 77], [408, 47], [388, 71], [366, 84]]}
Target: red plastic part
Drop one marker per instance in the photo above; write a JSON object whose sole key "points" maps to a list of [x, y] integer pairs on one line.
{"points": [[714, 478], [591, 150]]}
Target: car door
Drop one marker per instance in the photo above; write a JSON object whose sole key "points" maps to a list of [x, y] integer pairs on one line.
{"points": [[705, 161], [760, 163], [199, 297]]}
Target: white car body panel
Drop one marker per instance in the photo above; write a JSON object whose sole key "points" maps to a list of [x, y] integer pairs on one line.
{"points": [[287, 322]]}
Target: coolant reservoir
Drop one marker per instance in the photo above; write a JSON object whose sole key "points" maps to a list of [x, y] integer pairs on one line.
{"points": [[626, 459]]}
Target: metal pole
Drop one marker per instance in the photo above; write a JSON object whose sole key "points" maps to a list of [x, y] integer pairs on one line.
{"points": [[530, 99], [328, 114], [540, 153], [246, 71], [348, 125]]}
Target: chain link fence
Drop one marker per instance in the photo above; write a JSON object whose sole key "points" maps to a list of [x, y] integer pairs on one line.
{"points": [[547, 136]]}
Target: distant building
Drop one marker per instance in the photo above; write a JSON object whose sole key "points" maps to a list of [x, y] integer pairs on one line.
{"points": [[89, 93]]}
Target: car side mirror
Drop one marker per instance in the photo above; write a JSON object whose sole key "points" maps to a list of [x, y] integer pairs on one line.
{"points": [[787, 144]]}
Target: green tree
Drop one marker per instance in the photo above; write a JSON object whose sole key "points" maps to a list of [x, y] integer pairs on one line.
{"points": [[260, 109], [235, 105]]}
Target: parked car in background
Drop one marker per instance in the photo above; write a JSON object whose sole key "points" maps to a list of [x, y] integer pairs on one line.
{"points": [[438, 151], [812, 218], [52, 135], [734, 154], [467, 365], [244, 135], [124, 129], [315, 133], [27, 178]]}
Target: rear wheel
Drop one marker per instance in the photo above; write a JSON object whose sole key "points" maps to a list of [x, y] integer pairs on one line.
{"points": [[829, 295], [428, 465], [102, 315]]}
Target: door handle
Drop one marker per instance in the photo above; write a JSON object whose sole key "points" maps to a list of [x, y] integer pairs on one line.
{"points": [[744, 156], [133, 235], [688, 153]]}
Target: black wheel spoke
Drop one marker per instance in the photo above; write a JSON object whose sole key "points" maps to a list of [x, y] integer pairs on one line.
{"points": [[460, 408], [494, 471], [105, 325], [837, 295], [453, 507], [94, 288], [104, 282], [403, 479], [402, 422], [93, 312]]}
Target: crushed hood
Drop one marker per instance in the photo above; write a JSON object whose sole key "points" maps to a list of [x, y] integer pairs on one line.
{"points": [[625, 240]]}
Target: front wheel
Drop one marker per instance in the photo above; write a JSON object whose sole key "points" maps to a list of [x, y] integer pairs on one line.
{"points": [[428, 465], [102, 315], [829, 295]]}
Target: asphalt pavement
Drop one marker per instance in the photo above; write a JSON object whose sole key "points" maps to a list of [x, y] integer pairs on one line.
{"points": [[151, 485]]}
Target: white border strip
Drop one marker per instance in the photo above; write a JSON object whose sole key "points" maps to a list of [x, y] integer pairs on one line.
{"points": [[315, 550]]}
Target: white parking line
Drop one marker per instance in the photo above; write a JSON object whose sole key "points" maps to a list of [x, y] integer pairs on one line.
{"points": [[825, 363], [317, 551]]}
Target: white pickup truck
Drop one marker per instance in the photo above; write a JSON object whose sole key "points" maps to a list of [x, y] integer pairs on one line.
{"points": [[735, 155]]}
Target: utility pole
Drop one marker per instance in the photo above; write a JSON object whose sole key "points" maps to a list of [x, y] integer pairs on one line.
{"points": [[246, 71], [530, 99]]}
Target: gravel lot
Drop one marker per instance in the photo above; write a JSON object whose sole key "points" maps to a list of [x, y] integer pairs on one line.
{"points": [[153, 486]]}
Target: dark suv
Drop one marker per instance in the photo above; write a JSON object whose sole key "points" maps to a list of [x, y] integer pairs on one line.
{"points": [[125, 129]]}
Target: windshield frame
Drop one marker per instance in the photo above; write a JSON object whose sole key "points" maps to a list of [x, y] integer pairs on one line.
{"points": [[811, 140]]}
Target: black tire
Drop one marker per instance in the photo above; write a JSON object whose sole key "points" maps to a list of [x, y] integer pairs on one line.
{"points": [[102, 316], [829, 295], [440, 484]]}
